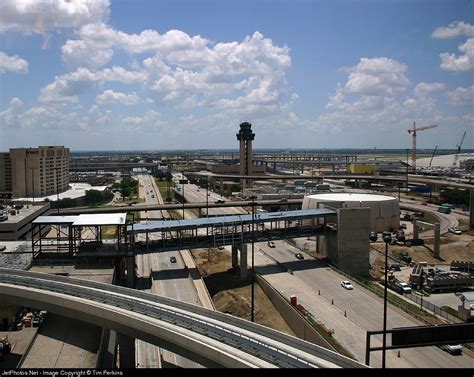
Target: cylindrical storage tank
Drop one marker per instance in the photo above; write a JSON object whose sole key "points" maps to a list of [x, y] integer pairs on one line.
{"points": [[384, 209]]}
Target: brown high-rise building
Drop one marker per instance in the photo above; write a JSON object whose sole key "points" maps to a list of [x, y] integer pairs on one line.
{"points": [[34, 172], [245, 137]]}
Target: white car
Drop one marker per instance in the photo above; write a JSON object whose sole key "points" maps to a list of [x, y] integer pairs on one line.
{"points": [[346, 284], [453, 349], [455, 230]]}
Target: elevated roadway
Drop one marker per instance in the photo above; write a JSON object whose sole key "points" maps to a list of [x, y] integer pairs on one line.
{"points": [[207, 336], [426, 180]]}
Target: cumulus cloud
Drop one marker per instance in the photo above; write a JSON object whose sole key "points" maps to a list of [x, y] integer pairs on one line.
{"points": [[189, 70], [150, 118], [101, 38], [33, 16], [77, 53], [9, 116], [68, 87], [453, 30], [461, 96], [424, 88], [15, 116], [462, 63], [109, 96], [12, 63], [377, 76], [372, 98]]}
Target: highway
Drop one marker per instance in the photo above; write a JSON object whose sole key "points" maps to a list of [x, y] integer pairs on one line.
{"points": [[318, 289], [214, 337], [167, 279], [196, 194]]}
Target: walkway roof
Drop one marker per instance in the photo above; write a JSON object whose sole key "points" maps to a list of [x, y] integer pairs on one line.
{"points": [[203, 222], [85, 219]]}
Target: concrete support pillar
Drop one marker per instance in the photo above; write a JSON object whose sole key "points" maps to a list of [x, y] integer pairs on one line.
{"points": [[235, 256], [415, 230], [437, 241], [353, 240], [243, 262]]}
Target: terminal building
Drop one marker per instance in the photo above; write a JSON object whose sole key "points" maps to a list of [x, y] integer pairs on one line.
{"points": [[34, 172]]}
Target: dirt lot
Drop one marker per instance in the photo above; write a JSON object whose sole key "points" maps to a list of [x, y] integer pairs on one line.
{"points": [[232, 296]]}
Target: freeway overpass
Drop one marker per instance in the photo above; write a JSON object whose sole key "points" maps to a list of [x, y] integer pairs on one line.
{"points": [[434, 182], [209, 337]]}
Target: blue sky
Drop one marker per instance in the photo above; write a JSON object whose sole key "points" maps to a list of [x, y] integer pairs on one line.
{"points": [[105, 75]]}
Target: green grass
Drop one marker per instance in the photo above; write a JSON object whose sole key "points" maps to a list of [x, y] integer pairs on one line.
{"points": [[450, 310], [176, 215], [163, 187]]}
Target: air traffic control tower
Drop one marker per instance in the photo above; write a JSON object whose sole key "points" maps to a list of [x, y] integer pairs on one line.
{"points": [[245, 137]]}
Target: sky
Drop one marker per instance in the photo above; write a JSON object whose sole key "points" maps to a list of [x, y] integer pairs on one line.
{"points": [[162, 75]]}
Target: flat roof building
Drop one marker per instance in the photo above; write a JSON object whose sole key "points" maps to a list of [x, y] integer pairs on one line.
{"points": [[34, 172]]}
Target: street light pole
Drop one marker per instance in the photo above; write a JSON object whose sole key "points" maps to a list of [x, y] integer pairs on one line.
{"points": [[207, 196], [253, 261], [386, 238], [183, 199]]}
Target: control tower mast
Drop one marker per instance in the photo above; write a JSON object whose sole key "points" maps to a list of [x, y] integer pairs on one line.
{"points": [[245, 137]]}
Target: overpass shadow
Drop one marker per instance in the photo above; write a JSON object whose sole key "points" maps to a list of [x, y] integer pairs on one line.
{"points": [[82, 335], [170, 274]]}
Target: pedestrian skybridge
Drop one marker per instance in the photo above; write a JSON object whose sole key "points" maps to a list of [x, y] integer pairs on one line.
{"points": [[232, 230]]}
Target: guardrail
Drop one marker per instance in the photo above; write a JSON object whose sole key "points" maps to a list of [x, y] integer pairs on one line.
{"points": [[208, 317]]}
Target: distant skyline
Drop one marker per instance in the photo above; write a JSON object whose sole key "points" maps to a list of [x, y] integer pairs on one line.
{"points": [[174, 75]]}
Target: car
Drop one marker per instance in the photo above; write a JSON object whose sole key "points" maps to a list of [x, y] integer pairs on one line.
{"points": [[37, 321], [173, 259], [220, 201], [346, 284], [299, 256], [271, 244], [453, 349], [455, 230]]}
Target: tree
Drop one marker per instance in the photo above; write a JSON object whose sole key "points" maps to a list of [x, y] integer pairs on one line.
{"points": [[93, 197]]}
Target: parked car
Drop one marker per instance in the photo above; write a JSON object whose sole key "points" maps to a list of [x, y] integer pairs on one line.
{"points": [[173, 259], [220, 201], [455, 230], [346, 284], [299, 256], [271, 244], [453, 349]]}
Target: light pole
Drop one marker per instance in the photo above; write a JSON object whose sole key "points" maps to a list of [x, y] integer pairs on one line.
{"points": [[207, 196], [387, 237], [183, 198], [253, 260]]}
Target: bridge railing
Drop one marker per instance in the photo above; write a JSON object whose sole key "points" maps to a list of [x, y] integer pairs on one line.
{"points": [[253, 328]]}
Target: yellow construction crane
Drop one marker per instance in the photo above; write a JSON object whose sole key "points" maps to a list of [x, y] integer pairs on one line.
{"points": [[413, 131]]}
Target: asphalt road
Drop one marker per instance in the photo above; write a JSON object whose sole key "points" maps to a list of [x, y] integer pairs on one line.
{"points": [[318, 289], [167, 279]]}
